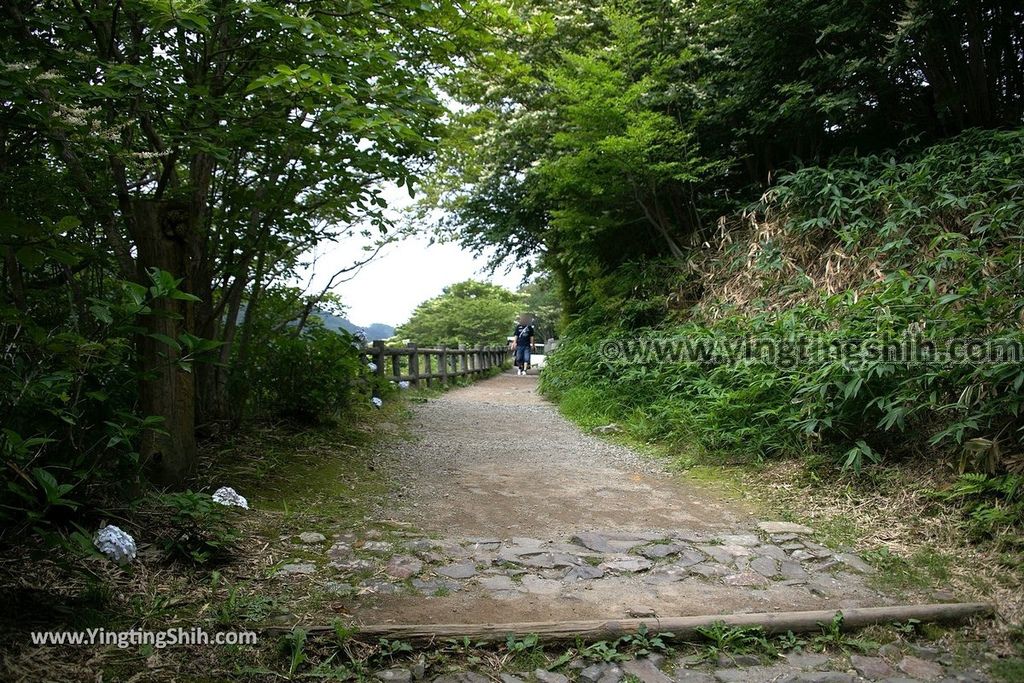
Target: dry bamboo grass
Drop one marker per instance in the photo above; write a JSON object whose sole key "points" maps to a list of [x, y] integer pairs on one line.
{"points": [[900, 516]]}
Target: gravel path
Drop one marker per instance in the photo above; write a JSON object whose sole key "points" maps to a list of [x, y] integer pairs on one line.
{"points": [[509, 512], [495, 459]]}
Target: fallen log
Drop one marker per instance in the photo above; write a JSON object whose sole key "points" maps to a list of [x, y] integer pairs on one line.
{"points": [[680, 627]]}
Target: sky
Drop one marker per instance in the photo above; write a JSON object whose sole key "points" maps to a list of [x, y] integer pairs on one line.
{"points": [[402, 276]]}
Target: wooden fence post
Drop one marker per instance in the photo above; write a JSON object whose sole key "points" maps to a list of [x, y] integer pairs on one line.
{"points": [[379, 358], [414, 366], [396, 367], [442, 363]]}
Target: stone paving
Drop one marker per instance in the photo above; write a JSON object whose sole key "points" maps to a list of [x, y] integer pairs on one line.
{"points": [[533, 520], [776, 558], [892, 666]]}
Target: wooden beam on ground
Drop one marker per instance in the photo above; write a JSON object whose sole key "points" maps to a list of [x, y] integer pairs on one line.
{"points": [[680, 627]]}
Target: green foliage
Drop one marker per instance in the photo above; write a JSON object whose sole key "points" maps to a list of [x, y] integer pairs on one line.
{"points": [[927, 248], [992, 506], [468, 313], [310, 376], [190, 526], [603, 133], [166, 167], [67, 401], [736, 639], [832, 635], [293, 647]]}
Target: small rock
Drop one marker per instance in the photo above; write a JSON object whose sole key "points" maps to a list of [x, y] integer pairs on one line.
{"points": [[432, 586], [792, 570], [772, 551], [919, 668], [745, 540], [339, 588], [710, 570], [656, 659], [379, 587], [545, 676], [821, 677], [726, 660], [395, 675], [593, 673], [583, 572], [548, 560], [688, 557], [462, 677], [509, 678], [871, 667], [640, 612], [459, 570], [302, 568], [825, 566], [612, 674], [497, 583], [784, 528], [765, 566], [310, 537], [801, 555], [687, 676], [607, 429], [377, 547], [356, 564], [340, 551], [592, 541], [419, 545], [806, 660], [944, 596], [645, 670], [718, 553], [628, 564], [419, 669], [403, 566], [749, 579], [659, 550], [932, 654], [855, 563], [890, 651]]}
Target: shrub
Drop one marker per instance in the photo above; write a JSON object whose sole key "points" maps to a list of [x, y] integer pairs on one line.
{"points": [[189, 526], [307, 377], [866, 251]]}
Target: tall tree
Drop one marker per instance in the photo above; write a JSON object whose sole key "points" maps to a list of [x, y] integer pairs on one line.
{"points": [[215, 142]]}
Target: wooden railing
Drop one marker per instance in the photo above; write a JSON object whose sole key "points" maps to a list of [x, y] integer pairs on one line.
{"points": [[434, 365]]}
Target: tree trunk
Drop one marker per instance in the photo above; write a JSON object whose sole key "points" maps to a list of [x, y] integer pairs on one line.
{"points": [[162, 232]]}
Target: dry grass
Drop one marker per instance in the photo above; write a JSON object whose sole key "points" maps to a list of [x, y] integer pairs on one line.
{"points": [[896, 512]]}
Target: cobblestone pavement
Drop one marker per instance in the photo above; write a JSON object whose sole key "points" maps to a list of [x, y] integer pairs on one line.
{"points": [[520, 516]]}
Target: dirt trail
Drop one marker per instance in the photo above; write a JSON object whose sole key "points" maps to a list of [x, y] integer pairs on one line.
{"points": [[519, 515]]}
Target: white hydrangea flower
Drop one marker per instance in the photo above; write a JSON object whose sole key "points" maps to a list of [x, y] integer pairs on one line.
{"points": [[115, 544], [372, 366], [377, 402], [226, 495], [403, 384]]}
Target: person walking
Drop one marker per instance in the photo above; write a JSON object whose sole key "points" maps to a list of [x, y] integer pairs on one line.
{"points": [[524, 343]]}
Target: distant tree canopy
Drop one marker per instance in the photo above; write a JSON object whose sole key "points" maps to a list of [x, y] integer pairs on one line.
{"points": [[469, 313], [602, 133]]}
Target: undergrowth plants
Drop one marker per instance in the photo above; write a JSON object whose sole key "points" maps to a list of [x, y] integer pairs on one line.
{"points": [[865, 253]]}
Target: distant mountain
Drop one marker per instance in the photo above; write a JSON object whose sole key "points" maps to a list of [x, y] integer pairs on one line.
{"points": [[372, 332]]}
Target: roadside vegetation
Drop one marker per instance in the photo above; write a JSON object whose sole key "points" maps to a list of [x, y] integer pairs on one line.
{"points": [[791, 173]]}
